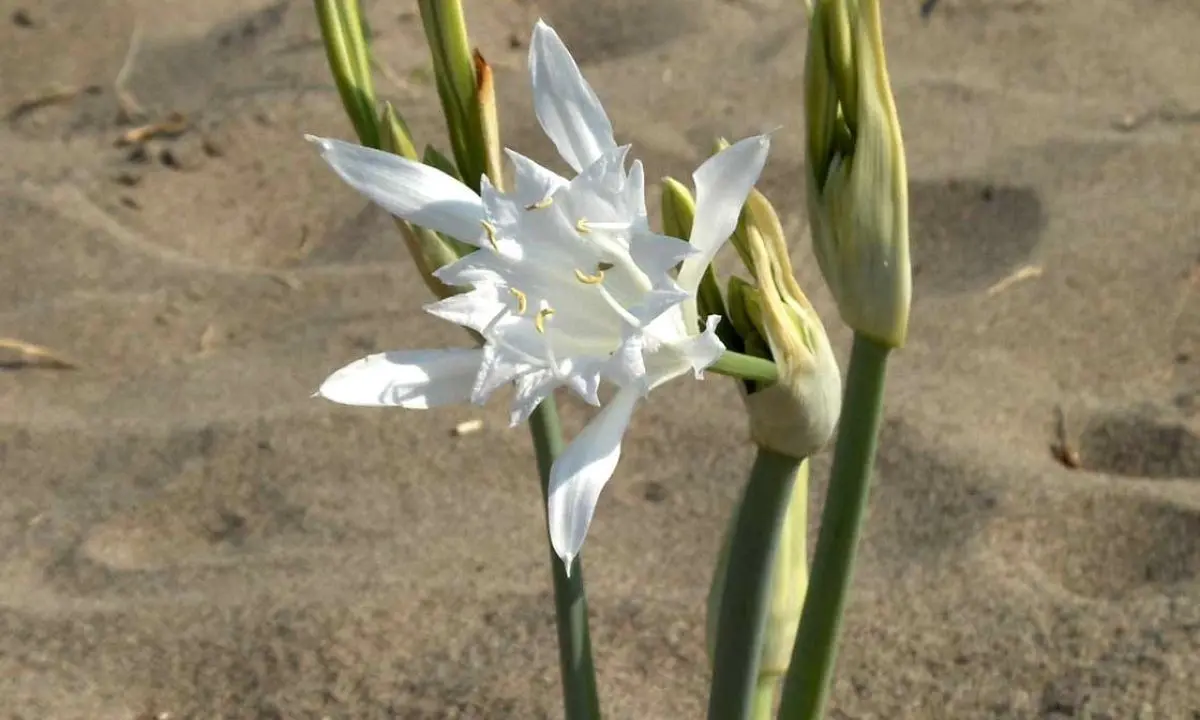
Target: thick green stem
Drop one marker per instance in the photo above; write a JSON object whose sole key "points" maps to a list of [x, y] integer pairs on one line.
{"points": [[346, 51], [580, 698], [454, 70], [746, 594], [815, 653], [765, 691]]}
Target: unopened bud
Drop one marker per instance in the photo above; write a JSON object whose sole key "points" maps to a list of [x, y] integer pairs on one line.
{"points": [[857, 180]]}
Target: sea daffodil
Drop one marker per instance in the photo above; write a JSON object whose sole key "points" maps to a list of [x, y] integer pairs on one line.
{"points": [[569, 286]]}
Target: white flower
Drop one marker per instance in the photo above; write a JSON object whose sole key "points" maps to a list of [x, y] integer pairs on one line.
{"points": [[569, 287]]}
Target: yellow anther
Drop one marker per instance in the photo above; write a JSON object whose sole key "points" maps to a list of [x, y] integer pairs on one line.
{"points": [[522, 301], [539, 322], [582, 226], [490, 229], [586, 279], [541, 204]]}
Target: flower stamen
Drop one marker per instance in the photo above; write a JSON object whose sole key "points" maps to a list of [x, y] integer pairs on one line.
{"points": [[539, 322], [522, 300], [490, 230], [582, 226], [541, 204], [586, 279]]}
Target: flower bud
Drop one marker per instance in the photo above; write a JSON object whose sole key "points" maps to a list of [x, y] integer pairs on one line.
{"points": [[678, 214], [797, 415], [489, 123], [856, 176]]}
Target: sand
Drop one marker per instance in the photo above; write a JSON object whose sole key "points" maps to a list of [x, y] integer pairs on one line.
{"points": [[185, 533]]}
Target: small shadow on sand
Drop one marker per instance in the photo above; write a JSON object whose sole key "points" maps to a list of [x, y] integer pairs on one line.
{"points": [[967, 234]]}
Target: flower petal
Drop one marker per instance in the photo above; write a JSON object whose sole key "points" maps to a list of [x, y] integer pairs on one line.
{"points": [[701, 350], [497, 369], [532, 182], [581, 472], [566, 106], [532, 389], [474, 309], [416, 379], [417, 193], [722, 184]]}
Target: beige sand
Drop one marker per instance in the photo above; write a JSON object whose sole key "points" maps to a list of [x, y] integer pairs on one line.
{"points": [[183, 531]]}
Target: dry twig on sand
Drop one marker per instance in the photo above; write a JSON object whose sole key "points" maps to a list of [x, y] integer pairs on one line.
{"points": [[16, 354]]}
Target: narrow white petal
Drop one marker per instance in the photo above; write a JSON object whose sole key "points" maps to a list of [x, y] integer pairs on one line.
{"points": [[532, 389], [497, 369], [704, 349], [679, 356], [478, 268], [410, 190], [722, 184], [532, 182], [566, 106], [474, 309], [656, 254], [416, 379], [581, 472]]}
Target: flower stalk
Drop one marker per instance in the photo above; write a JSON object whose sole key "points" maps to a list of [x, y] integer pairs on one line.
{"points": [[580, 698], [858, 208], [787, 576], [745, 594], [814, 655], [349, 62], [457, 84]]}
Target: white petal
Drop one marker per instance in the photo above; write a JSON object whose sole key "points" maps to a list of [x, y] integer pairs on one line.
{"points": [[474, 309], [656, 254], [722, 184], [478, 268], [416, 379], [566, 106], [627, 366], [532, 389], [635, 189], [496, 369], [581, 472], [677, 357], [533, 182], [704, 349], [657, 301], [410, 190]]}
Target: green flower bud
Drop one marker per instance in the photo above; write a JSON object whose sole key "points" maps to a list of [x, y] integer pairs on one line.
{"points": [[797, 414], [678, 214], [857, 181]]}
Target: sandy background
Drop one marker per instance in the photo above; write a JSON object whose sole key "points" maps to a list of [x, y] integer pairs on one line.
{"points": [[184, 531]]}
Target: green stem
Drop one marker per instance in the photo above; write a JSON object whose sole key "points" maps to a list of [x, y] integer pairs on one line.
{"points": [[765, 691], [815, 653], [745, 367], [360, 56], [454, 70], [746, 595], [580, 698], [342, 65]]}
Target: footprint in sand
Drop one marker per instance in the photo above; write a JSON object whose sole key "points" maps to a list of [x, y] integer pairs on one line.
{"points": [[1140, 443], [1107, 542], [968, 235], [1105, 546]]}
